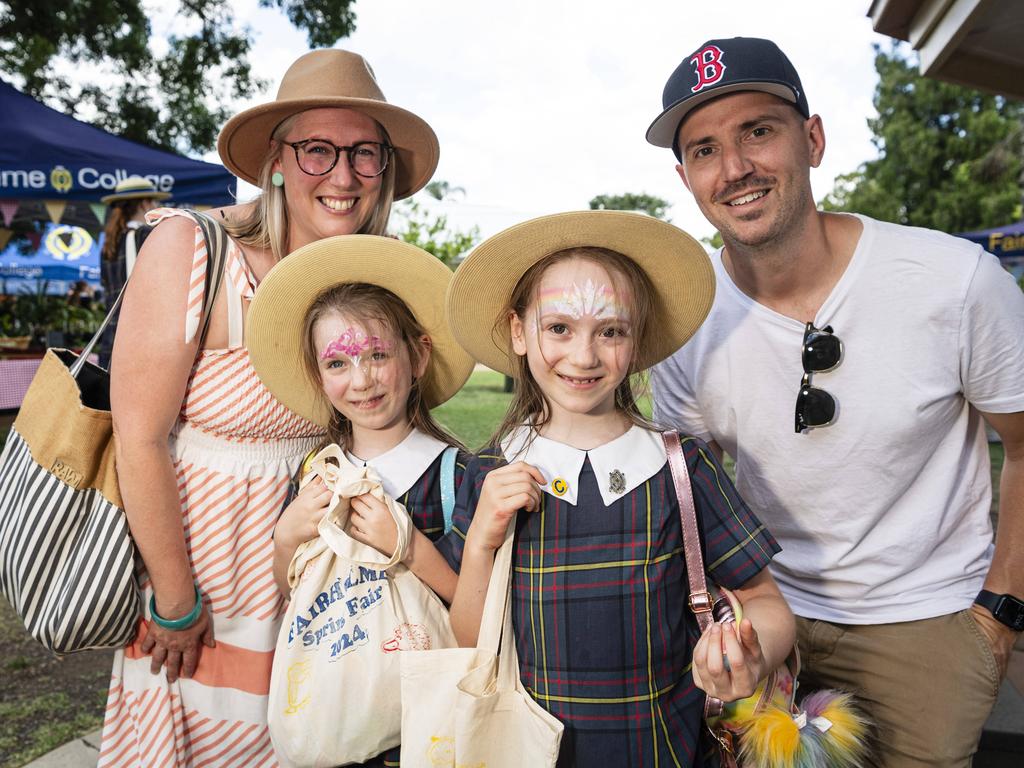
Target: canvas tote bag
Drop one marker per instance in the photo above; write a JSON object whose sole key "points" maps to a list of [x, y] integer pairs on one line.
{"points": [[67, 561], [334, 688], [467, 706]]}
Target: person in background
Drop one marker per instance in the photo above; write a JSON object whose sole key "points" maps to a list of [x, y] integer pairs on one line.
{"points": [[81, 295], [896, 345], [123, 235]]}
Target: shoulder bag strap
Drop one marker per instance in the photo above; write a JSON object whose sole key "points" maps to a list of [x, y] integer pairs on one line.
{"points": [[131, 250], [701, 600], [448, 485], [217, 250], [492, 619], [216, 247]]}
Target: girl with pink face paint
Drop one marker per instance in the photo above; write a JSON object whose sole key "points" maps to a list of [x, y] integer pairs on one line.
{"points": [[350, 332]]}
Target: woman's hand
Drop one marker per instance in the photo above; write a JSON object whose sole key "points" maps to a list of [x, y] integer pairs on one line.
{"points": [[298, 523], [178, 651], [505, 491], [728, 662], [370, 522]]}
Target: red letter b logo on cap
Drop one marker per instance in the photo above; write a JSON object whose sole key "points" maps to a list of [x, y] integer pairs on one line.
{"points": [[707, 63]]}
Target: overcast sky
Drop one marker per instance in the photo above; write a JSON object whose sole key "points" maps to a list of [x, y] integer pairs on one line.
{"points": [[540, 105]]}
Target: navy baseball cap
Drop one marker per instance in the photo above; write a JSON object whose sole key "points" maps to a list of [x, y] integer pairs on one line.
{"points": [[725, 66]]}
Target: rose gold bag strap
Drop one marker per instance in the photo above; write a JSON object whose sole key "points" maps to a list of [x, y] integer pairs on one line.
{"points": [[700, 599]]}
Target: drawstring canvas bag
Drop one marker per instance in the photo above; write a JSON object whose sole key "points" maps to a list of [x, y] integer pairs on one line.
{"points": [[334, 687]]}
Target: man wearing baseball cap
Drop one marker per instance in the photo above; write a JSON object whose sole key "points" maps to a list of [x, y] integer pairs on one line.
{"points": [[849, 366]]}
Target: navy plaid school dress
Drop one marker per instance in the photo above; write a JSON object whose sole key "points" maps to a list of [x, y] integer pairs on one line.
{"points": [[599, 594]]}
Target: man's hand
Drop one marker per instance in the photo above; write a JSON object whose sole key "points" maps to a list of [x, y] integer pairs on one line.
{"points": [[1000, 637]]}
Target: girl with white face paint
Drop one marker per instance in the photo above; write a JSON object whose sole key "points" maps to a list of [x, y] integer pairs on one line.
{"points": [[573, 305]]}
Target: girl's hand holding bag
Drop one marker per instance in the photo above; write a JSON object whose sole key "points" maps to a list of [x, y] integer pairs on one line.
{"points": [[334, 689], [767, 729], [467, 706]]}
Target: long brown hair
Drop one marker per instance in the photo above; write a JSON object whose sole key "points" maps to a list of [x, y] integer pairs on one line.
{"points": [[119, 215], [528, 404], [266, 224], [369, 302]]}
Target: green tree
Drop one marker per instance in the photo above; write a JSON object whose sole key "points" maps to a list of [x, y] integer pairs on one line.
{"points": [[177, 99], [948, 157], [430, 231], [714, 242], [630, 201]]}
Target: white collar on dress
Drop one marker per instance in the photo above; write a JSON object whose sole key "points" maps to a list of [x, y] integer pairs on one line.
{"points": [[620, 465], [400, 467]]}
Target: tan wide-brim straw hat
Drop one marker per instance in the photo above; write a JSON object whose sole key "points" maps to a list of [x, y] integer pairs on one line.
{"points": [[331, 78], [278, 312], [134, 188], [676, 265]]}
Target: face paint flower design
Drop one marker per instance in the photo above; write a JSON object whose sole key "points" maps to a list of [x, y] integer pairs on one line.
{"points": [[352, 343]]}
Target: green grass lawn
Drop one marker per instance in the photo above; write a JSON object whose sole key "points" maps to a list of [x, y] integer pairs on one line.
{"points": [[474, 413]]}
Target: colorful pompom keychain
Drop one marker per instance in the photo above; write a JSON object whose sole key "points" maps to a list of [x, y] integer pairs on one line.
{"points": [[769, 730]]}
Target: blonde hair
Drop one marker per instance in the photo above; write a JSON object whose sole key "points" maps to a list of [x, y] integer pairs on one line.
{"points": [[528, 404], [367, 302], [266, 224]]}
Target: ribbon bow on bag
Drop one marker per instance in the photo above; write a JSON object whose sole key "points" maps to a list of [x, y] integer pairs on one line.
{"points": [[353, 613]]}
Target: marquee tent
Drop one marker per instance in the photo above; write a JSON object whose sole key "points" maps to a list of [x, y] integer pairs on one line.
{"points": [[63, 255], [1005, 242], [47, 155]]}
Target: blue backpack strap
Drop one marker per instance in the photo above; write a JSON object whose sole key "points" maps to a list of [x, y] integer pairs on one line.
{"points": [[448, 485]]}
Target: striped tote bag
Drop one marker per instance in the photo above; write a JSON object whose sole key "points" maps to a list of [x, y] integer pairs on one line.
{"points": [[67, 561]]}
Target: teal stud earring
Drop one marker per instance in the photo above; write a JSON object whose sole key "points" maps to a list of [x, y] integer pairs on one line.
{"points": [[277, 179]]}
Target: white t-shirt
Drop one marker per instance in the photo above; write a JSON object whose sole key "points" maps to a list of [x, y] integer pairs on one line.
{"points": [[884, 515]]}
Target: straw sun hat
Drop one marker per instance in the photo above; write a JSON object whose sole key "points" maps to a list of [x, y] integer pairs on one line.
{"points": [[278, 312], [134, 188], [331, 78], [676, 265]]}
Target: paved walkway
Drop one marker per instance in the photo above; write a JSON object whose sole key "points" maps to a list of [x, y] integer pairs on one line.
{"points": [[1002, 745]]}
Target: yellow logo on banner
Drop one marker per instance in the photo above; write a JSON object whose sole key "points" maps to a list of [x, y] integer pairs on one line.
{"points": [[60, 178], [68, 243]]}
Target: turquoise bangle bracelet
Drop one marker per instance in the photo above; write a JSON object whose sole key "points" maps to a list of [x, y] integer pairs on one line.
{"points": [[176, 625]]}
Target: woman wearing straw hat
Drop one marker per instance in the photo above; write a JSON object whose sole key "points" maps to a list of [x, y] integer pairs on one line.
{"points": [[329, 155], [123, 235]]}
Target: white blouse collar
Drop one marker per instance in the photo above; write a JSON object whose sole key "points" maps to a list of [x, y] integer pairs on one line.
{"points": [[619, 466], [400, 467]]}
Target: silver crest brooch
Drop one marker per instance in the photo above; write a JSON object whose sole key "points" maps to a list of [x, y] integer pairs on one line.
{"points": [[616, 481]]}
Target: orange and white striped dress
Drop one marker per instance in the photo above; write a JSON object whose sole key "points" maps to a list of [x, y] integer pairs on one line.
{"points": [[234, 449]]}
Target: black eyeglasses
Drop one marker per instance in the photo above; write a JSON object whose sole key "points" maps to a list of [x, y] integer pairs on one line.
{"points": [[822, 352], [317, 157]]}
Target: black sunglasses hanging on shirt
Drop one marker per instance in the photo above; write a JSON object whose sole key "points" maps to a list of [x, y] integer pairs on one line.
{"points": [[822, 352]]}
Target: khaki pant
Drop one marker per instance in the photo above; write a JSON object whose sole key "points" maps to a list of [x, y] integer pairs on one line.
{"points": [[928, 685]]}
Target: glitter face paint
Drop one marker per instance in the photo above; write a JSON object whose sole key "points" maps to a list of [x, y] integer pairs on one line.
{"points": [[593, 300], [352, 343], [576, 336]]}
